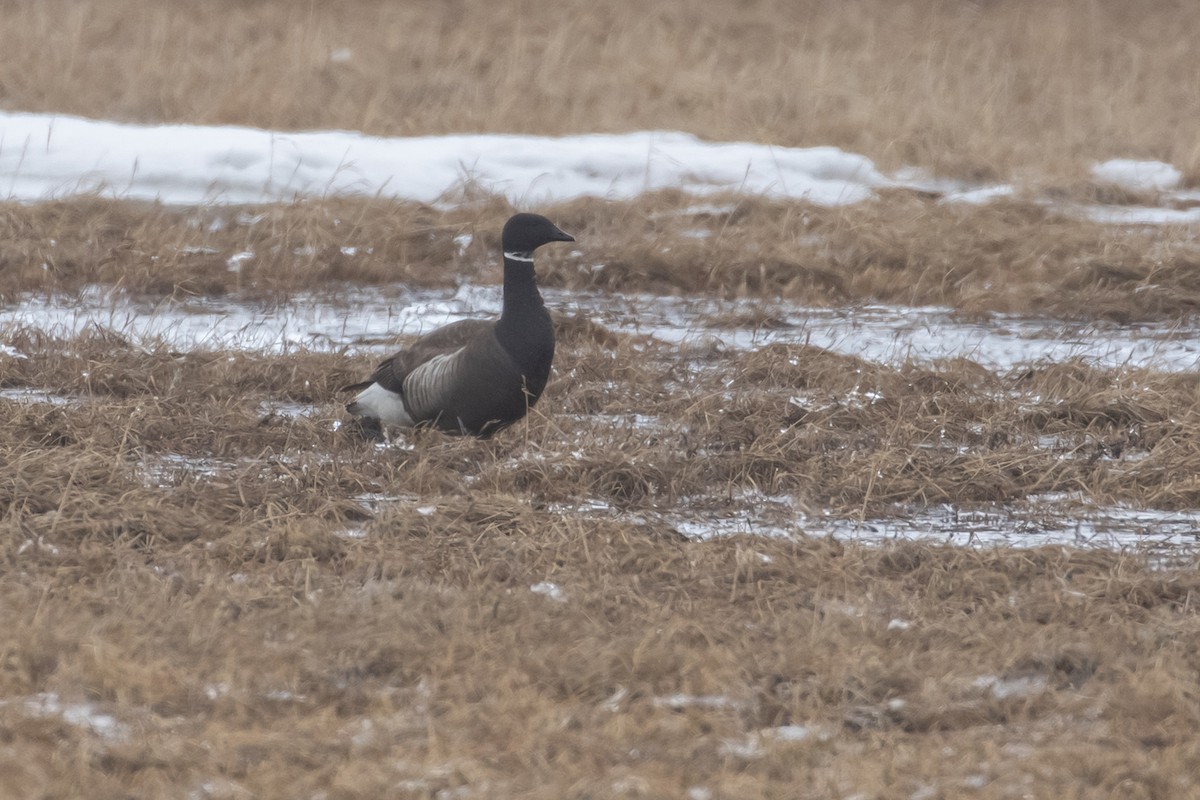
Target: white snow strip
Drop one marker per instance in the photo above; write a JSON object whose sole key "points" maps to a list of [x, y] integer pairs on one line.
{"points": [[981, 195], [47, 156], [1140, 215]]}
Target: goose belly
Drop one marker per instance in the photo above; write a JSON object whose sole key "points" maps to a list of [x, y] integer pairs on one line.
{"points": [[379, 403], [484, 406]]}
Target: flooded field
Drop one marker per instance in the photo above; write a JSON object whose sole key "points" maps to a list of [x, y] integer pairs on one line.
{"points": [[697, 344], [760, 535], [374, 320]]}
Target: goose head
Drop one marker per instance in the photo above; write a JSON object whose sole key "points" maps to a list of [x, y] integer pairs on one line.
{"points": [[524, 233]]}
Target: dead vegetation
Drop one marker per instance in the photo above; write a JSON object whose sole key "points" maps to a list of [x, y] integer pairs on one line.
{"points": [[208, 590], [207, 594], [1012, 257], [972, 89]]}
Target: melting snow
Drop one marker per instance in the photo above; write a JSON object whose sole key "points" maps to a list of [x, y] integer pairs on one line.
{"points": [[46, 155], [551, 590], [1141, 215], [1168, 537], [755, 745], [25, 394], [711, 702], [1004, 688], [362, 318], [80, 715], [1153, 176]]}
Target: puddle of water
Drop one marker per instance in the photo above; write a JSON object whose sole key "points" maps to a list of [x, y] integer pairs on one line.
{"points": [[166, 470], [374, 320], [29, 395], [1033, 525], [1168, 538], [286, 408], [378, 501]]}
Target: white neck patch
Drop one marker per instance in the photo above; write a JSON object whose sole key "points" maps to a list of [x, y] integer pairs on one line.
{"points": [[526, 257]]}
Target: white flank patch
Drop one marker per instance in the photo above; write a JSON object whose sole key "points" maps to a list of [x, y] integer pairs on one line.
{"points": [[378, 403]]}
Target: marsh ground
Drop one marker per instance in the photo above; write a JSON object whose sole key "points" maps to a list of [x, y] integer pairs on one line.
{"points": [[210, 590]]}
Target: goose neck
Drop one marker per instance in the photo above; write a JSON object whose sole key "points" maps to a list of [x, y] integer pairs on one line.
{"points": [[521, 295]]}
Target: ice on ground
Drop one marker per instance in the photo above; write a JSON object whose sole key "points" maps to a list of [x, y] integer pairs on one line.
{"points": [[46, 156], [363, 319], [1138, 176], [80, 715], [551, 590], [1166, 537], [1140, 215], [980, 196], [30, 396], [708, 702], [755, 745], [169, 469], [286, 408], [1004, 688]]}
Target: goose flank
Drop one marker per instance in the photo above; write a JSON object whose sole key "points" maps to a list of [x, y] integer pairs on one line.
{"points": [[475, 376]]}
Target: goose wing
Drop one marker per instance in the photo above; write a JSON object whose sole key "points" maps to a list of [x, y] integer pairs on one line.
{"points": [[477, 388], [393, 371]]}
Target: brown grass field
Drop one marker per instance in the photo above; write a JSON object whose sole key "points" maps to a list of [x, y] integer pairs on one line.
{"points": [[209, 590]]}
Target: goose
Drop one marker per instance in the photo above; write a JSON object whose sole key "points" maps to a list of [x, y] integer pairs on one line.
{"points": [[475, 376]]}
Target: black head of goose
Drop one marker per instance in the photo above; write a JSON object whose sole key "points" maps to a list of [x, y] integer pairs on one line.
{"points": [[474, 376]]}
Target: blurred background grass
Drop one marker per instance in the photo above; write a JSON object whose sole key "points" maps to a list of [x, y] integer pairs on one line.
{"points": [[974, 89]]}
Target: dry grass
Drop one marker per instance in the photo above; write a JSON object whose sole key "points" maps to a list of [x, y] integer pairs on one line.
{"points": [[176, 555], [206, 595], [969, 88], [1016, 257]]}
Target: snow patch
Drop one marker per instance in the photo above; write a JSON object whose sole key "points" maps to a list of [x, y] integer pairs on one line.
{"points": [[551, 590], [1138, 176], [80, 715], [48, 156]]}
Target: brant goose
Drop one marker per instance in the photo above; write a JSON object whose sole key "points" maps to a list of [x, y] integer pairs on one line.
{"points": [[475, 376]]}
